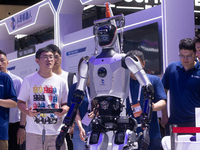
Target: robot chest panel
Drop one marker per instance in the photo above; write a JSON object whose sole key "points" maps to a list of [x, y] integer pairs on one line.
{"points": [[108, 76]]}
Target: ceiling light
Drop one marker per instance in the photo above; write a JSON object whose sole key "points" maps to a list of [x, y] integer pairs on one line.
{"points": [[196, 11], [88, 7], [128, 0], [111, 5], [125, 7]]}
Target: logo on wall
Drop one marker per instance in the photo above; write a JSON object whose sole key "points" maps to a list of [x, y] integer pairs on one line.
{"points": [[22, 20], [13, 23]]}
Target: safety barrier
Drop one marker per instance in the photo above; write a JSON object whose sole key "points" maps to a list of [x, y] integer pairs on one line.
{"points": [[174, 130]]}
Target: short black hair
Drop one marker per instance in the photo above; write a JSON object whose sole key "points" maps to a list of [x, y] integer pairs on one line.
{"points": [[2, 52], [136, 53], [187, 44], [196, 38], [41, 50], [54, 48]]}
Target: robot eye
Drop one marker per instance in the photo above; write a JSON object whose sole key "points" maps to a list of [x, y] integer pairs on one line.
{"points": [[102, 31]]}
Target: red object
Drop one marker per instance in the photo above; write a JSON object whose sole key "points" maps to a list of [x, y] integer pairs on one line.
{"points": [[108, 15], [186, 129]]}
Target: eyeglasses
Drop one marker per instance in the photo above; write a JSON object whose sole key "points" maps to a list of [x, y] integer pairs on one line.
{"points": [[47, 57], [189, 57], [57, 57]]}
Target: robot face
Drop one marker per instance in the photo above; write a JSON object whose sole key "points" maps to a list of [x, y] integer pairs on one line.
{"points": [[107, 35]]}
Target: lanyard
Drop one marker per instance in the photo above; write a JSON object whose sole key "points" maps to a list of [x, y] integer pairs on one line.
{"points": [[139, 94], [89, 99]]}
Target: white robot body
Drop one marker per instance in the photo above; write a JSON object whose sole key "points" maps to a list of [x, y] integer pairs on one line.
{"points": [[108, 76]]}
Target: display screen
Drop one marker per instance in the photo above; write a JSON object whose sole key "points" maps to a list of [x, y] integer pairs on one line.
{"points": [[145, 39], [104, 38]]}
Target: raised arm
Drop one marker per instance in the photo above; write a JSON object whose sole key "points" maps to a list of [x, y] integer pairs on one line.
{"points": [[134, 65]]}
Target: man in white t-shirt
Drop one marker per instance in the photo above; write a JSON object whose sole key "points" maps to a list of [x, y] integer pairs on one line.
{"points": [[57, 65], [17, 120], [69, 77], [41, 90]]}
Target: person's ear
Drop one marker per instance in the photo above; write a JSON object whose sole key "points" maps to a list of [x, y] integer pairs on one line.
{"points": [[36, 60], [7, 63], [143, 64]]}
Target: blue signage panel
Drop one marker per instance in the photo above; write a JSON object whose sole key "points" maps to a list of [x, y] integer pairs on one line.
{"points": [[76, 51]]}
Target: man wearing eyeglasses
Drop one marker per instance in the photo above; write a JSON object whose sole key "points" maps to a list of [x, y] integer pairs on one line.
{"points": [[69, 77], [182, 79], [43, 90]]}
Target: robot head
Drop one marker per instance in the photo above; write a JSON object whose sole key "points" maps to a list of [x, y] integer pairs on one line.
{"points": [[107, 35], [106, 31]]}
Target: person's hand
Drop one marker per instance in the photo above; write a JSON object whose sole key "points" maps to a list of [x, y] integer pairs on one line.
{"points": [[60, 114], [91, 114], [20, 136], [71, 130], [96, 111], [164, 121], [82, 134], [32, 112]]}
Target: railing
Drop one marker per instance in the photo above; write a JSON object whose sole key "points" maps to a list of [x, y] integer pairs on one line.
{"points": [[174, 130]]}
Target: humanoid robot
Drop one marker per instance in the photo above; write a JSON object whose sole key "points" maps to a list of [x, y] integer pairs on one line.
{"points": [[109, 74]]}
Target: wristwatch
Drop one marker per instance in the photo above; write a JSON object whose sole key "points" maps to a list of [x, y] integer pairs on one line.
{"points": [[22, 126]]}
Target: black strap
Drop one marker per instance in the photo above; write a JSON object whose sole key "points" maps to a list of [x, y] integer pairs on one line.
{"points": [[70, 78]]}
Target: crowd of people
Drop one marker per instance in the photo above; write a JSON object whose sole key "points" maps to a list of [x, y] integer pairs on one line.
{"points": [[21, 126]]}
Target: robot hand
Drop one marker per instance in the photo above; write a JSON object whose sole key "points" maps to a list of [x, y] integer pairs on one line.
{"points": [[148, 92], [76, 101], [143, 139], [60, 138], [70, 117]]}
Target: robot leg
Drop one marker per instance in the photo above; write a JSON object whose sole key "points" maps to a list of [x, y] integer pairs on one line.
{"points": [[124, 140], [97, 140]]}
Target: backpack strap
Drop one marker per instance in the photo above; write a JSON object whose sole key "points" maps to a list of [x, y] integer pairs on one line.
{"points": [[70, 78]]}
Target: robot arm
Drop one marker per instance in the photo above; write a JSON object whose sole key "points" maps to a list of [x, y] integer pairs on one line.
{"points": [[134, 65], [76, 101], [78, 94]]}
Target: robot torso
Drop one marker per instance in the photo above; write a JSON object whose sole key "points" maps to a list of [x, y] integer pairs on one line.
{"points": [[108, 77]]}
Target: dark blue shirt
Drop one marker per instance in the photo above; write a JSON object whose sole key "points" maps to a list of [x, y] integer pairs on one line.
{"points": [[7, 91], [83, 108], [154, 130], [184, 89]]}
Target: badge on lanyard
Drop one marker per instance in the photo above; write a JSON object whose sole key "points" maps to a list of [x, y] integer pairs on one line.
{"points": [[137, 110], [86, 120]]}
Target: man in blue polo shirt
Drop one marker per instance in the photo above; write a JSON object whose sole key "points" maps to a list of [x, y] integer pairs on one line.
{"points": [[182, 79], [8, 99], [136, 100]]}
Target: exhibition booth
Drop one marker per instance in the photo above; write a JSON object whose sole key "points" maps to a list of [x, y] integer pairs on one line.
{"points": [[157, 31]]}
